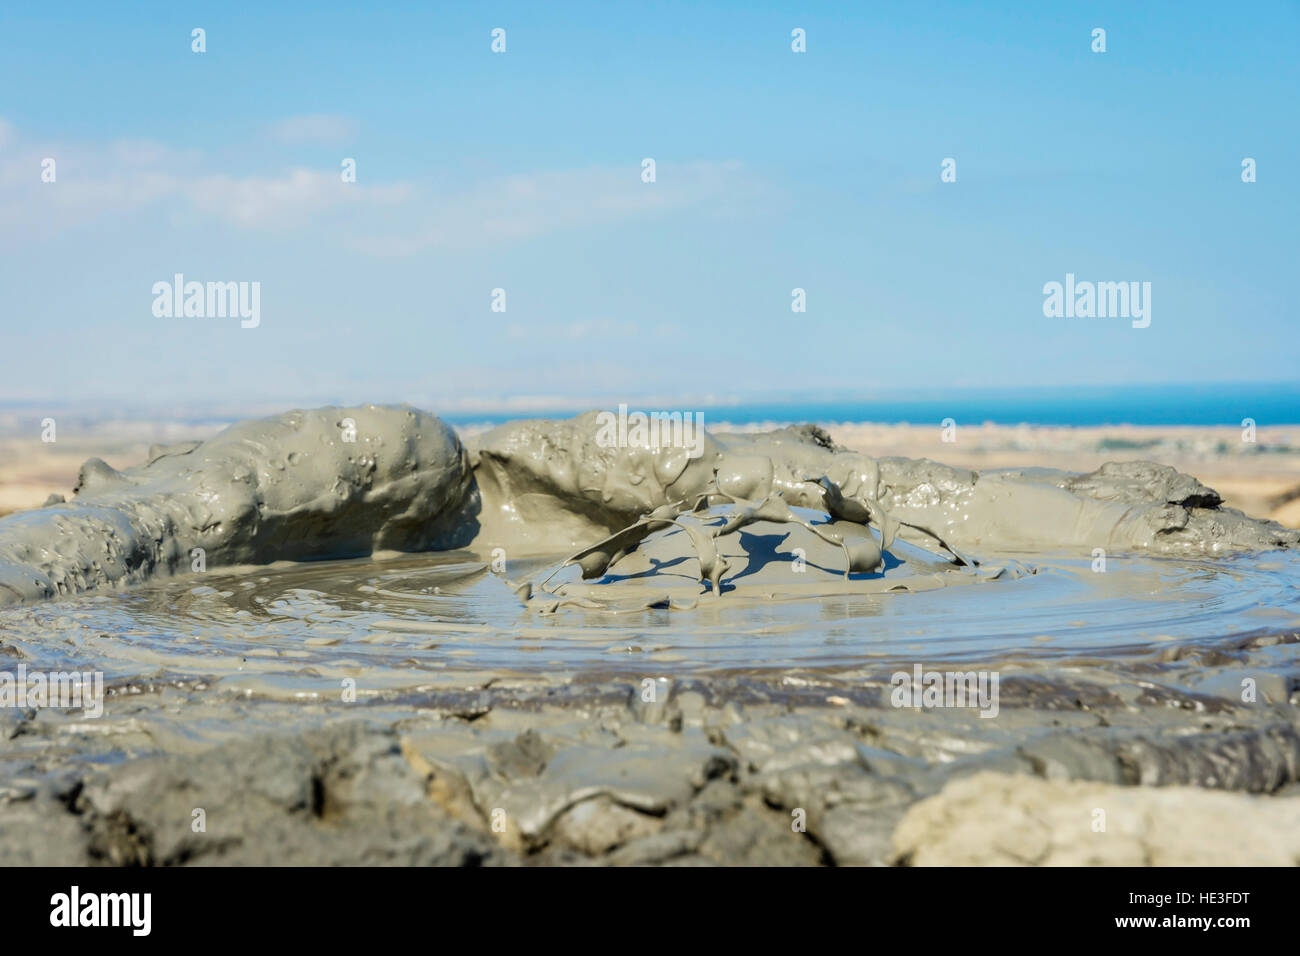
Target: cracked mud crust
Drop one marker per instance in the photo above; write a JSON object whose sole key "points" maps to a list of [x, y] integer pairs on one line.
{"points": [[739, 768]]}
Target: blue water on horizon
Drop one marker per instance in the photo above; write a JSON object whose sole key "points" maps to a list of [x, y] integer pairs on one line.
{"points": [[1268, 404], [1204, 405]]}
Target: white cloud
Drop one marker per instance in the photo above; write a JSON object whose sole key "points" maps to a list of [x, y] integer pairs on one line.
{"points": [[286, 200], [125, 175], [577, 329], [316, 128], [384, 219], [525, 206], [600, 328]]}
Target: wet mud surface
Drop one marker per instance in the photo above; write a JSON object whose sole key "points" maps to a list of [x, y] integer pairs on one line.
{"points": [[499, 701], [795, 765]]}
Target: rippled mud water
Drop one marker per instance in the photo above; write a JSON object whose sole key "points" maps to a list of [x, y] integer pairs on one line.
{"points": [[487, 703]]}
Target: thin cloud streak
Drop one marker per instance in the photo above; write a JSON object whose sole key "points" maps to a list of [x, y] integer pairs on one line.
{"points": [[395, 219]]}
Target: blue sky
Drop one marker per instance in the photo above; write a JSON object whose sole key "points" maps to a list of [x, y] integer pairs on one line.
{"points": [[521, 171]]}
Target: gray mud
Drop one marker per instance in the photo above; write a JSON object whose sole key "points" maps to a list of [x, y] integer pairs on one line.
{"points": [[717, 769], [492, 669], [338, 482], [288, 488], [549, 486]]}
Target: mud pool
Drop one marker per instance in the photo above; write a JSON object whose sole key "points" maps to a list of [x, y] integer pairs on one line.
{"points": [[532, 649]]}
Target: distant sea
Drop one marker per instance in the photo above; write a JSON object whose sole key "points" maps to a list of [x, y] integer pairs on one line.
{"points": [[1267, 405]]}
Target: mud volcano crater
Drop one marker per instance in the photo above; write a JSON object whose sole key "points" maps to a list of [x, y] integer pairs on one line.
{"points": [[636, 654]]}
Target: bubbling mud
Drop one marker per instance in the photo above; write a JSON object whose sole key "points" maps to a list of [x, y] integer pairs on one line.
{"points": [[781, 537], [404, 622], [406, 628], [644, 555], [765, 550]]}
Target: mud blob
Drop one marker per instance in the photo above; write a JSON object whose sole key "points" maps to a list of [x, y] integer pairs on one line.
{"points": [[702, 557], [764, 549], [550, 486], [343, 482], [331, 482]]}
